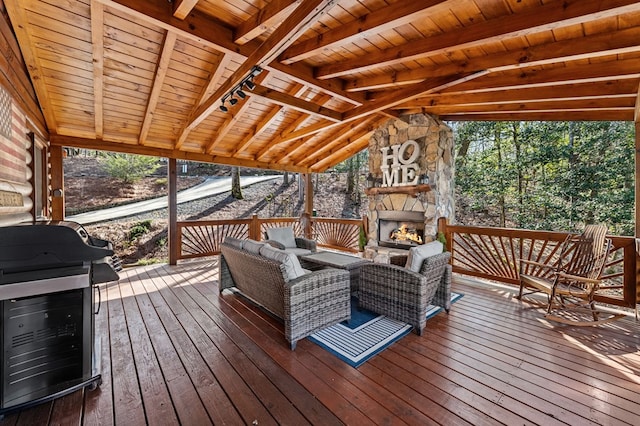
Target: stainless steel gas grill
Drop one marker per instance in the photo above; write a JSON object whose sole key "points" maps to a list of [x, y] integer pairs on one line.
{"points": [[47, 276]]}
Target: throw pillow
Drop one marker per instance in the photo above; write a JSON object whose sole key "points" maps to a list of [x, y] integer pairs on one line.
{"points": [[282, 235], [289, 260], [419, 253], [252, 246], [234, 242]]}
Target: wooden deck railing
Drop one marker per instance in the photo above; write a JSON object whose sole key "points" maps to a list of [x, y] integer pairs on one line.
{"points": [[201, 238], [494, 253]]}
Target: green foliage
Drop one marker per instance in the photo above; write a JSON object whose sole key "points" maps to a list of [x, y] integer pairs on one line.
{"points": [[362, 239], [441, 237], [129, 168], [139, 229], [551, 175]]}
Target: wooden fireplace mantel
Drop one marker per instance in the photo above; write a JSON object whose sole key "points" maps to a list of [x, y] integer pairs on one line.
{"points": [[412, 190]]}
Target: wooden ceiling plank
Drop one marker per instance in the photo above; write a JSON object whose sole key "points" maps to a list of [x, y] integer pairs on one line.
{"points": [[266, 122], [406, 94], [182, 8], [549, 16], [347, 135], [235, 114], [341, 155], [266, 18], [202, 29], [301, 19], [541, 77], [29, 54], [384, 19], [293, 102], [586, 47], [207, 91], [158, 81], [589, 90], [318, 99], [97, 54], [134, 148]]}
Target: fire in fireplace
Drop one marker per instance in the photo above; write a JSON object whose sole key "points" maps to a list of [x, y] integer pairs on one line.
{"points": [[401, 229]]}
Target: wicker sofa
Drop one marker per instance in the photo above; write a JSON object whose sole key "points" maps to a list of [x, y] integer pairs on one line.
{"points": [[306, 304], [402, 294]]}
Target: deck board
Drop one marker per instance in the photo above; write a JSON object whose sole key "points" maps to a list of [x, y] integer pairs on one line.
{"points": [[175, 351]]}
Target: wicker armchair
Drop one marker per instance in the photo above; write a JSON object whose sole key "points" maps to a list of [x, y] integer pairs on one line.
{"points": [[392, 290]]}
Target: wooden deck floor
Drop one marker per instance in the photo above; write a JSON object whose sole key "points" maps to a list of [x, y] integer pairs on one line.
{"points": [[175, 352]]}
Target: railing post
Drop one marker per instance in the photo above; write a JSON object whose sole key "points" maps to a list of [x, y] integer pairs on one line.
{"points": [[174, 243], [254, 228]]}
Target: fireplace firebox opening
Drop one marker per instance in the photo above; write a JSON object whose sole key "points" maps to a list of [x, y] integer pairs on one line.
{"points": [[400, 229]]}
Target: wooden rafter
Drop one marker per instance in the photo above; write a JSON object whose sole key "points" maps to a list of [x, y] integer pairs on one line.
{"points": [[298, 104], [90, 143], [158, 81], [214, 79], [588, 47], [97, 54], [235, 114], [540, 18], [32, 63], [267, 120], [384, 19], [280, 39], [341, 155], [300, 121], [181, 8], [345, 137], [267, 17]]}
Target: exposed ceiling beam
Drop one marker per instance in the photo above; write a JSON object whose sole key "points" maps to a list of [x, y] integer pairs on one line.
{"points": [[586, 47], [28, 48], [158, 81], [319, 99], [589, 90], [207, 91], [556, 14], [293, 102], [267, 121], [384, 19], [97, 54], [182, 8], [299, 21], [595, 115], [88, 143], [342, 154], [542, 76], [200, 28], [266, 18]]}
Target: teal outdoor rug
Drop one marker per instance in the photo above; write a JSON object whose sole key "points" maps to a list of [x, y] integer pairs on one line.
{"points": [[367, 334]]}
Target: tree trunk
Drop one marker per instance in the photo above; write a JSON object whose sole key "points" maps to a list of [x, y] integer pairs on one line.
{"points": [[285, 179], [516, 142], [236, 189]]}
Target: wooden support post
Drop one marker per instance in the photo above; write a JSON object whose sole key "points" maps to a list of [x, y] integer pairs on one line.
{"points": [[57, 184], [174, 244], [308, 205]]}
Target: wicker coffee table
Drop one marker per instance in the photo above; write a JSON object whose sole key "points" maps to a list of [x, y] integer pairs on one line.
{"points": [[323, 259]]}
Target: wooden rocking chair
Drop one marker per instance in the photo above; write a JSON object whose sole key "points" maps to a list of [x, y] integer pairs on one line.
{"points": [[572, 281]]}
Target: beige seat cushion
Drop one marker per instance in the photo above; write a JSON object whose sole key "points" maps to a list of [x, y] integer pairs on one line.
{"points": [[289, 260], [284, 236], [418, 254]]}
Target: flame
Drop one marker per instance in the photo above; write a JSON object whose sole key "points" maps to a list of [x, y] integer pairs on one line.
{"points": [[403, 233]]}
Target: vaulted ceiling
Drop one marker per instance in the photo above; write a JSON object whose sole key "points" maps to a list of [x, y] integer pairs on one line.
{"points": [[149, 76]]}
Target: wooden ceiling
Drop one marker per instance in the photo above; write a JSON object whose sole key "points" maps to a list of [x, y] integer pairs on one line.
{"points": [[148, 76]]}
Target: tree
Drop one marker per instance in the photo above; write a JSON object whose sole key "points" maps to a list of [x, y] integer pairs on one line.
{"points": [[236, 189], [129, 168]]}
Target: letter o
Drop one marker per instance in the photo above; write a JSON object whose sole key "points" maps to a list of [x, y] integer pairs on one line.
{"points": [[414, 155]]}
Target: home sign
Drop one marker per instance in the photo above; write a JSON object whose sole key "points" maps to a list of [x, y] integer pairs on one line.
{"points": [[398, 169]]}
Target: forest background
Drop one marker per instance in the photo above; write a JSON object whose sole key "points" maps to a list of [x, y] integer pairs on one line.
{"points": [[555, 176]]}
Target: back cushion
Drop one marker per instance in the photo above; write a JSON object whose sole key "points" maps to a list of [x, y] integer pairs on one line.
{"points": [[252, 246], [289, 260], [282, 235], [418, 254], [234, 242]]}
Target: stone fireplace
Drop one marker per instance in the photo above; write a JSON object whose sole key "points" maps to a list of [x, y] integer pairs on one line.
{"points": [[410, 183]]}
